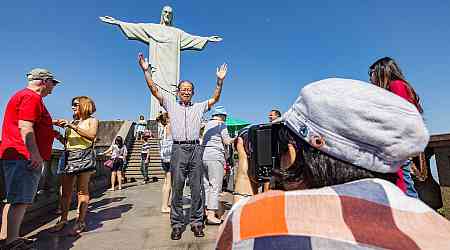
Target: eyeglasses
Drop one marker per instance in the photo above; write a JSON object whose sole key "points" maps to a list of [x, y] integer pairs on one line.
{"points": [[186, 90], [49, 80]]}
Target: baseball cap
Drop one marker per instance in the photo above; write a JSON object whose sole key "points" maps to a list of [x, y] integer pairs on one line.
{"points": [[41, 74], [219, 110]]}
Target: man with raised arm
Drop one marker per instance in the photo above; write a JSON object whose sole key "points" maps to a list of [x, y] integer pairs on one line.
{"points": [[186, 160], [165, 43]]}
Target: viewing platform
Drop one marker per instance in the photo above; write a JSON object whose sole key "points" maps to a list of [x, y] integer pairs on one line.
{"points": [[123, 220], [131, 218]]}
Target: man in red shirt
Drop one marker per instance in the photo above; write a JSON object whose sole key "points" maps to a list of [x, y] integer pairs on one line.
{"points": [[27, 139]]}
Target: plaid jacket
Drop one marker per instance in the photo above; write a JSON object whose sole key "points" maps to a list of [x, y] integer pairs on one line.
{"points": [[366, 214]]}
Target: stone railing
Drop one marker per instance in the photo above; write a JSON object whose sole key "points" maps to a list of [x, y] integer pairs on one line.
{"points": [[434, 194], [47, 198]]}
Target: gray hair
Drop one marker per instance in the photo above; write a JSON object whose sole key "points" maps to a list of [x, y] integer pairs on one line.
{"points": [[34, 82]]}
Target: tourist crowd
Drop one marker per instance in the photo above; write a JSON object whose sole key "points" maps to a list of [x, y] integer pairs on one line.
{"points": [[341, 176]]}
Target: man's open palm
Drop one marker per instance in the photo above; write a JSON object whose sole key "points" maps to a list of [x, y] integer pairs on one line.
{"points": [[143, 62], [222, 71]]}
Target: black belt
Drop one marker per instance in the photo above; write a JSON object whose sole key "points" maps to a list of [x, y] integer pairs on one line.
{"points": [[187, 142]]}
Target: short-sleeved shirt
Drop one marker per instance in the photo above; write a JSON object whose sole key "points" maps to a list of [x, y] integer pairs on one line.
{"points": [[365, 214], [117, 152], [399, 88], [185, 121], [145, 147], [216, 133], [26, 105]]}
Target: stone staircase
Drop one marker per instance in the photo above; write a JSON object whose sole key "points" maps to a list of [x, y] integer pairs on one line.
{"points": [[134, 160]]}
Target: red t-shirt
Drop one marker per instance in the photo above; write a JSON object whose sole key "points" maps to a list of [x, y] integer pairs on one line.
{"points": [[399, 88], [26, 105]]}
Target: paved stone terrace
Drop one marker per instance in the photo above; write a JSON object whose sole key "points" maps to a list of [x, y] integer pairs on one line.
{"points": [[125, 219]]}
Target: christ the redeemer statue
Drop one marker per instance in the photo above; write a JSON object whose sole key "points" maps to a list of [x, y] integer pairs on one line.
{"points": [[165, 43]]}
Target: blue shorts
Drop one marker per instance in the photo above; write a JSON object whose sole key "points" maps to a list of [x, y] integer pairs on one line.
{"points": [[21, 181]]}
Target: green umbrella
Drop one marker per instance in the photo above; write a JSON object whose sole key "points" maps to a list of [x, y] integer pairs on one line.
{"points": [[234, 125]]}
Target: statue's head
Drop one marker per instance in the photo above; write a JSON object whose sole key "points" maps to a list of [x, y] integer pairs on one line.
{"points": [[166, 16]]}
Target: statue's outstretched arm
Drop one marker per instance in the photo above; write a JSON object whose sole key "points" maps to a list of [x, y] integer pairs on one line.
{"points": [[215, 39], [110, 20]]}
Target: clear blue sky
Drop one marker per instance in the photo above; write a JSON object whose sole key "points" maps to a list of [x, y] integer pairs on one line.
{"points": [[273, 49]]}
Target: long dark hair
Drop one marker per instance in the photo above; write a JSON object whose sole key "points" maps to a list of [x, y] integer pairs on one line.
{"points": [[387, 70], [119, 141]]}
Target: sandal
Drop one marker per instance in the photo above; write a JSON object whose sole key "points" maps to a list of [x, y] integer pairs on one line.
{"points": [[78, 228], [60, 225]]}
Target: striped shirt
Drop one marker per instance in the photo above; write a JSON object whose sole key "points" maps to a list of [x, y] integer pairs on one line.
{"points": [[365, 214], [216, 135], [185, 121], [145, 147]]}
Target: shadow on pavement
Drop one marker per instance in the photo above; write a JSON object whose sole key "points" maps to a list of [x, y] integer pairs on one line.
{"points": [[94, 220]]}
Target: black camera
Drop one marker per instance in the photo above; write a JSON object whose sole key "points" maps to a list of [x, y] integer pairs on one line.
{"points": [[263, 150]]}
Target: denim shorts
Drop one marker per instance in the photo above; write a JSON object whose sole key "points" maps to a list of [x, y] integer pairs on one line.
{"points": [[21, 181]]}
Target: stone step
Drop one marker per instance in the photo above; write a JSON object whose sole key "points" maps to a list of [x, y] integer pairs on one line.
{"points": [[153, 165], [138, 158], [139, 153], [138, 170]]}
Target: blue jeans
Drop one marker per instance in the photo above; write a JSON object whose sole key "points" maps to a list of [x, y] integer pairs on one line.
{"points": [[410, 189]]}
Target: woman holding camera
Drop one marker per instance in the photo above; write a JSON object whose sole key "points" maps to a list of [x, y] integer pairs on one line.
{"points": [[80, 160]]}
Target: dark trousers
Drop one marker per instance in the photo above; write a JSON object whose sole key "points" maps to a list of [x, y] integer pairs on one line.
{"points": [[186, 161], [144, 166]]}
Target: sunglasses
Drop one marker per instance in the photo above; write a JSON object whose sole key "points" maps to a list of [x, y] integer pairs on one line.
{"points": [[75, 104], [371, 71]]}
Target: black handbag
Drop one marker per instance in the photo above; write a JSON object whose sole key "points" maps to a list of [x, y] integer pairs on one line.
{"points": [[79, 160]]}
